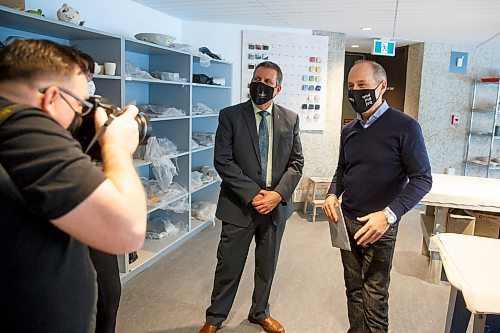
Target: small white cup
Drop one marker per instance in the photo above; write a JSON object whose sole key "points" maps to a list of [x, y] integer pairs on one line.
{"points": [[109, 68], [97, 68]]}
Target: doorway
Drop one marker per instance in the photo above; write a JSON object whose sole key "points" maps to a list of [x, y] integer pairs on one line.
{"points": [[395, 68]]}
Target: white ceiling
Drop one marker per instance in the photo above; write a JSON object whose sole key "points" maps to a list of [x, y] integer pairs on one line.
{"points": [[463, 22]]}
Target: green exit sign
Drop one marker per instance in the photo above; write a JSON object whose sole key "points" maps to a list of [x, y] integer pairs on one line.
{"points": [[384, 47]]}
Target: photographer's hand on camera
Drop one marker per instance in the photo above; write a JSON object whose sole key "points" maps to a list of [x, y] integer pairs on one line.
{"points": [[124, 209], [122, 133]]}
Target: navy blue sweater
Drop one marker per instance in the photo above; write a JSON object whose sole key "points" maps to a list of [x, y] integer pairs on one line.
{"points": [[383, 165]]}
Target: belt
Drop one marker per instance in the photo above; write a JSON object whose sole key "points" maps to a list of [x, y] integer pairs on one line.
{"points": [[268, 188]]}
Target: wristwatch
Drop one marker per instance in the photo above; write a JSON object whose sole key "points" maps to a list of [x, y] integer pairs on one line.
{"points": [[389, 216]]}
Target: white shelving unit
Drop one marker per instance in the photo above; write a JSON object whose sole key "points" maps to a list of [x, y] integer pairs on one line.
{"points": [[122, 89], [482, 154]]}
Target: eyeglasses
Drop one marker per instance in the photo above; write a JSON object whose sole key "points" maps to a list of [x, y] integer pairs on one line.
{"points": [[85, 105]]}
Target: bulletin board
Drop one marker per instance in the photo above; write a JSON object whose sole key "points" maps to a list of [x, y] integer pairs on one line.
{"points": [[303, 60]]}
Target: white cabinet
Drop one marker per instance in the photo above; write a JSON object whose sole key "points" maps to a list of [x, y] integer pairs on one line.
{"points": [[482, 157], [122, 89]]}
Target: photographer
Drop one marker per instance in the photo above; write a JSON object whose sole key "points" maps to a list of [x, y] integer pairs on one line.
{"points": [[48, 282]]}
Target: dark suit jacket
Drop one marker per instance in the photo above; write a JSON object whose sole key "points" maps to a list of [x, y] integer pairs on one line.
{"points": [[237, 161]]}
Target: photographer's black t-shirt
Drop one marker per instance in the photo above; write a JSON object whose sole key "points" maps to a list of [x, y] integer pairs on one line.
{"points": [[47, 280]]}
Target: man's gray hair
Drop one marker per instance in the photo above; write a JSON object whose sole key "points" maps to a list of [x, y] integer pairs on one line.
{"points": [[379, 73]]}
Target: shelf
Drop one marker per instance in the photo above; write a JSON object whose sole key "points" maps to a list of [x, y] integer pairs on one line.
{"points": [[179, 154], [199, 224], [143, 257], [106, 77], [209, 86], [139, 46], [158, 245], [168, 118], [205, 115], [163, 204], [140, 163], [202, 149], [17, 20], [487, 83], [197, 59], [481, 163], [156, 81], [204, 186]]}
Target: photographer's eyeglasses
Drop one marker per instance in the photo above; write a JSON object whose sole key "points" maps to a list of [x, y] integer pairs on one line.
{"points": [[86, 106]]}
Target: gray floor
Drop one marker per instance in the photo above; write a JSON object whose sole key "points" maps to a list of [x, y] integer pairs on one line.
{"points": [[308, 292]]}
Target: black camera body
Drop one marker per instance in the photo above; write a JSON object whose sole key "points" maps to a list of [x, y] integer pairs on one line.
{"points": [[86, 133]]}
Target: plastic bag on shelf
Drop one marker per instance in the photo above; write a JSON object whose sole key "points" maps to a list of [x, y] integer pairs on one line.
{"points": [[210, 172], [164, 171], [194, 144], [205, 60], [204, 138], [201, 108], [159, 147], [132, 70], [179, 206], [203, 210], [196, 179], [173, 191], [153, 191], [160, 227], [166, 76], [157, 111], [158, 152]]}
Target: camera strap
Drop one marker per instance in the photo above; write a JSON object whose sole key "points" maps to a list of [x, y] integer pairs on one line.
{"points": [[7, 187]]}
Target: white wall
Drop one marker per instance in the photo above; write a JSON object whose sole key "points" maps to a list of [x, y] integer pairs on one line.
{"points": [[226, 39], [120, 17]]}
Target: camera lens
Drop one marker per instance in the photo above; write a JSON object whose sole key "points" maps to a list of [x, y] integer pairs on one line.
{"points": [[144, 126]]}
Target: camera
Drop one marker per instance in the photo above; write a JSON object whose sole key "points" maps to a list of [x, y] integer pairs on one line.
{"points": [[86, 132]]}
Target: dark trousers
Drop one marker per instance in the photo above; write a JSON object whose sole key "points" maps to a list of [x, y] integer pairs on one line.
{"points": [[367, 276], [109, 290], [231, 257]]}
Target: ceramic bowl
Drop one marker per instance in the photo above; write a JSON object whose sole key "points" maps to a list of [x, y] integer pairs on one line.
{"points": [[159, 39]]}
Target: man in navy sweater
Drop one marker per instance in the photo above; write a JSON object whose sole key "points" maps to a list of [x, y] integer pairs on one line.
{"points": [[383, 171]]}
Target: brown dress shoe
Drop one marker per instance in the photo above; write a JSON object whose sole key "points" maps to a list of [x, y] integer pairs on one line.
{"points": [[270, 325], [207, 328]]}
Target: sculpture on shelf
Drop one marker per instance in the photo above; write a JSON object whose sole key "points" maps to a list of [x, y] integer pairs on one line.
{"points": [[69, 14], [32, 11]]}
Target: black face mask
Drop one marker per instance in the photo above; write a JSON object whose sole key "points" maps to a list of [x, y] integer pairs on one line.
{"points": [[74, 127], [261, 93], [362, 100]]}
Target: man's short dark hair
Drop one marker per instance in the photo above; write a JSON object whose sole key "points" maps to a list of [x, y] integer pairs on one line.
{"points": [[272, 65], [379, 73], [34, 59]]}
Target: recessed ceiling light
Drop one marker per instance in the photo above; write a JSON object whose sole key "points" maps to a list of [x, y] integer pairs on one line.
{"points": [[354, 45], [366, 28]]}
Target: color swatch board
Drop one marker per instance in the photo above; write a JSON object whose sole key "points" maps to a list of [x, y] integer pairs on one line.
{"points": [[303, 60]]}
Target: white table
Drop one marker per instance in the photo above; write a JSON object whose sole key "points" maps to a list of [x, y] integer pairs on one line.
{"points": [[471, 265], [447, 192]]}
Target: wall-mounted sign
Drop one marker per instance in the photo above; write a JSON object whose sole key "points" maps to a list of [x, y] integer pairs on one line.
{"points": [[384, 47], [458, 62]]}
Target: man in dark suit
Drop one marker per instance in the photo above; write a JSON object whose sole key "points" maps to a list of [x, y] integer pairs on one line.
{"points": [[258, 155]]}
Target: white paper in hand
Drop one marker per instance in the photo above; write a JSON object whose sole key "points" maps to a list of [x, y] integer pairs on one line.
{"points": [[338, 232]]}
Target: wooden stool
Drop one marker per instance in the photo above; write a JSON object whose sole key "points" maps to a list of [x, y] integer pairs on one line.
{"points": [[316, 191]]}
